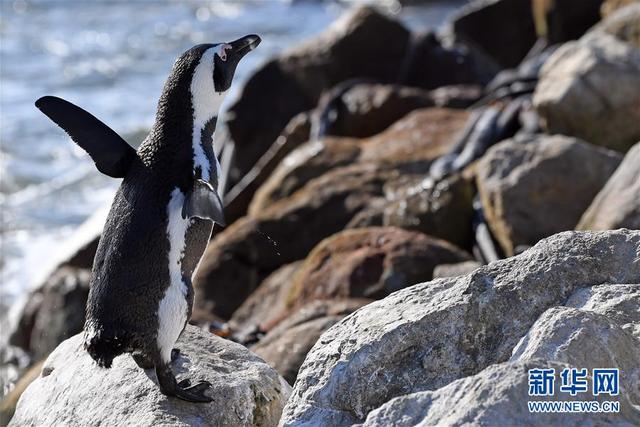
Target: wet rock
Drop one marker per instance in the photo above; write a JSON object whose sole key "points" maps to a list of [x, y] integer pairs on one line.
{"points": [[267, 304], [242, 255], [512, 32], [618, 303], [590, 89], [623, 24], [414, 141], [442, 209], [430, 64], [365, 109], [427, 336], [534, 187], [617, 205], [73, 390], [53, 313], [496, 396], [369, 263], [286, 346], [293, 83], [455, 269]]}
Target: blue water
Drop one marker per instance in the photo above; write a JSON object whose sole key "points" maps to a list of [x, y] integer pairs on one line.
{"points": [[112, 57]]}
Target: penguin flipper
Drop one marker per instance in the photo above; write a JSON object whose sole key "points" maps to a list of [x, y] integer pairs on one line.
{"points": [[111, 154], [203, 202]]}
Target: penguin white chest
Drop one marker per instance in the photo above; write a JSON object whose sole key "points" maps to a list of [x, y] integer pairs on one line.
{"points": [[172, 311]]}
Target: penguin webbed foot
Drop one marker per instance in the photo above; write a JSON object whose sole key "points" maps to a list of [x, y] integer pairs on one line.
{"points": [[183, 389]]}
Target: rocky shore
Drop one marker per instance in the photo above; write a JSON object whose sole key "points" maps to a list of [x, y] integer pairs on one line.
{"points": [[416, 220]]}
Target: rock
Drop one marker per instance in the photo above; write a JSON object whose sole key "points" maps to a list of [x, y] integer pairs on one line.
{"points": [[369, 263], [293, 83], [415, 141], [430, 64], [237, 199], [496, 396], [268, 303], [242, 255], [442, 209], [585, 340], [561, 21], [73, 390], [10, 400], [286, 346], [590, 89], [427, 336], [456, 96], [53, 313], [623, 24], [532, 188], [618, 303], [617, 205], [455, 269], [610, 6], [364, 109], [508, 20]]}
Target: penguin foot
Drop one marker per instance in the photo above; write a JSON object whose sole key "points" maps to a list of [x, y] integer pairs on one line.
{"points": [[183, 389], [142, 361]]}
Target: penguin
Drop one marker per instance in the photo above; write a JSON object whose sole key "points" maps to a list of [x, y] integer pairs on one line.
{"points": [[162, 216]]}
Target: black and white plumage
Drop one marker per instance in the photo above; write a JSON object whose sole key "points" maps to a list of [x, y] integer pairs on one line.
{"points": [[162, 216]]}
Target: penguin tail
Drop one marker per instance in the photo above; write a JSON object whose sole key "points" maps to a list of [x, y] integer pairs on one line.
{"points": [[102, 346]]}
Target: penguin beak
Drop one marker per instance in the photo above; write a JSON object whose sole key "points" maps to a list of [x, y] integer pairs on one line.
{"points": [[232, 53]]}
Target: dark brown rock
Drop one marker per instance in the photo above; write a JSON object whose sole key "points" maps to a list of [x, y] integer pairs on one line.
{"points": [[369, 263], [535, 187], [503, 29], [412, 142], [293, 83], [617, 205]]}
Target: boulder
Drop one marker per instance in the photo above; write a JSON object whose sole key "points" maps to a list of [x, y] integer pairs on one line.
{"points": [[442, 209], [536, 186], [426, 336], [293, 82], [561, 21], [618, 303], [53, 312], [610, 6], [73, 390], [617, 205], [503, 29], [239, 258], [414, 141], [266, 306], [584, 339], [455, 269], [496, 396], [286, 346], [369, 263], [624, 24], [10, 399], [590, 89], [431, 64]]}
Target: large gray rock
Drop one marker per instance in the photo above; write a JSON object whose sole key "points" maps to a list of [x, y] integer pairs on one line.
{"points": [[623, 23], [73, 390], [535, 187], [426, 336], [617, 205], [591, 89], [496, 396], [619, 303]]}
